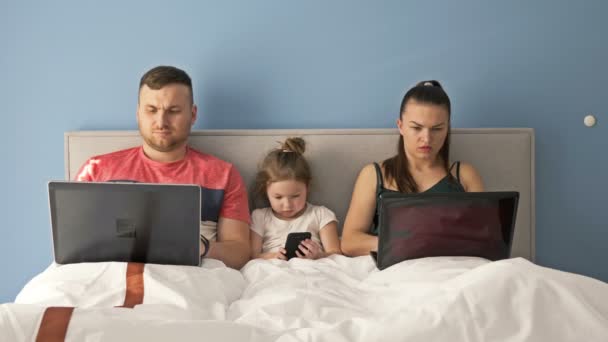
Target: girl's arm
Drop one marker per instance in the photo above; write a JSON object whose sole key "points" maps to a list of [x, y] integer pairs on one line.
{"points": [[309, 249], [256, 249], [356, 240], [329, 239]]}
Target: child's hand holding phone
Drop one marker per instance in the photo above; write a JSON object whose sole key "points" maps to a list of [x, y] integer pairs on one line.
{"points": [[309, 249], [301, 245], [294, 243]]}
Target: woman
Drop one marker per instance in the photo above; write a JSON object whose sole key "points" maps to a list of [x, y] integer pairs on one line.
{"points": [[422, 164]]}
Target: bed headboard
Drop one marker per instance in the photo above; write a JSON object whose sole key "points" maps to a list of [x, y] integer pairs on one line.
{"points": [[504, 157]]}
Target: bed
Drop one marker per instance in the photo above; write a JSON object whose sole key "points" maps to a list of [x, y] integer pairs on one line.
{"points": [[333, 299]]}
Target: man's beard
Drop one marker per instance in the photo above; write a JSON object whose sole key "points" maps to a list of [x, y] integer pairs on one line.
{"points": [[166, 145]]}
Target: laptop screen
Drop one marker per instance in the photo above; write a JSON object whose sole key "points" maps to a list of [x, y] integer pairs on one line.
{"points": [[449, 224]]}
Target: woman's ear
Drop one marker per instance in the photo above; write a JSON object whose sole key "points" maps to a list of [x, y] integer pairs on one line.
{"points": [[400, 126]]}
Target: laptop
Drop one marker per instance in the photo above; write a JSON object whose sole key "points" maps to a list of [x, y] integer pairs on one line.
{"points": [[128, 222], [479, 224]]}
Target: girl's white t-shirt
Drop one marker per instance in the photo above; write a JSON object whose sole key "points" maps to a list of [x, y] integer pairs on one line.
{"points": [[274, 230]]}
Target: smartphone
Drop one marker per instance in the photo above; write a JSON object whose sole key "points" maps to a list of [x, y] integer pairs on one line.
{"points": [[293, 242]]}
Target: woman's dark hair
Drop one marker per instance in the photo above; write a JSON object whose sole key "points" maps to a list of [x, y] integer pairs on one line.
{"points": [[396, 168], [285, 163]]}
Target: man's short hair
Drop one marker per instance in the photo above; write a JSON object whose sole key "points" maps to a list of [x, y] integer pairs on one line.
{"points": [[162, 75]]}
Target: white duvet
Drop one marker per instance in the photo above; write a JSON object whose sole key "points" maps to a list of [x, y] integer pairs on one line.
{"points": [[333, 299]]}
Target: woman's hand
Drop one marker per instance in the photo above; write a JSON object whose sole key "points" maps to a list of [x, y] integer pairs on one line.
{"points": [[308, 249]]}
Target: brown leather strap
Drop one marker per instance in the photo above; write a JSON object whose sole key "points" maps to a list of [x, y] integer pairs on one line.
{"points": [[54, 325], [134, 294], [55, 320]]}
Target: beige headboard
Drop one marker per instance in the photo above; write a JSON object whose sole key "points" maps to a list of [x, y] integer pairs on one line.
{"points": [[504, 157]]}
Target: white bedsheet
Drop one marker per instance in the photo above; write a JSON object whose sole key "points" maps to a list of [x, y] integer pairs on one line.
{"points": [[333, 299], [189, 292]]}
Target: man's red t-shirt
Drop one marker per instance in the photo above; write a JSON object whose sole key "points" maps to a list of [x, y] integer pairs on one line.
{"points": [[223, 191]]}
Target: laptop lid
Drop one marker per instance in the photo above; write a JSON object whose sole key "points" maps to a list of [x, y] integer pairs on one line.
{"points": [[445, 224], [129, 222]]}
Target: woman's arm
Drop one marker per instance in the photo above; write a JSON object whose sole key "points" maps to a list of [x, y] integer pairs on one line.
{"points": [[470, 178], [356, 240]]}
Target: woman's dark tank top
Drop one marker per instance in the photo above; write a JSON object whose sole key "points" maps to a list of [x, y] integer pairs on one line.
{"points": [[446, 184]]}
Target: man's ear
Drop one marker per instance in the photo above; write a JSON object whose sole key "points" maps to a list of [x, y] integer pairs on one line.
{"points": [[194, 115]]}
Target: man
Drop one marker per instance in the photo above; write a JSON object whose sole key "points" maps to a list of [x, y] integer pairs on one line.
{"points": [[165, 115]]}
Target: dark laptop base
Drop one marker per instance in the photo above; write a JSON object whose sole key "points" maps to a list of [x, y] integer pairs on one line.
{"points": [[445, 224], [128, 222]]}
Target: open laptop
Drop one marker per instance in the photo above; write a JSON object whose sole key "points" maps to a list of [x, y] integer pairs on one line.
{"points": [[421, 225], [129, 222]]}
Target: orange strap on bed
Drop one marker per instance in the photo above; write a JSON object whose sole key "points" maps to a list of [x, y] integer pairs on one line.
{"points": [[134, 294], [54, 325], [55, 320]]}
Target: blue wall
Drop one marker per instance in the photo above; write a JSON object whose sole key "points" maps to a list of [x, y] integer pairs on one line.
{"points": [[75, 65]]}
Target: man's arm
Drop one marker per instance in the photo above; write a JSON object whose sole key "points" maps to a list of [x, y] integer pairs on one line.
{"points": [[232, 245]]}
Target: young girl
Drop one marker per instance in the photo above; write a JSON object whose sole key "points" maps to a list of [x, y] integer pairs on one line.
{"points": [[284, 180]]}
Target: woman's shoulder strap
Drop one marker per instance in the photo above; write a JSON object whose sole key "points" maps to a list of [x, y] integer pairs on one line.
{"points": [[457, 164], [379, 181]]}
